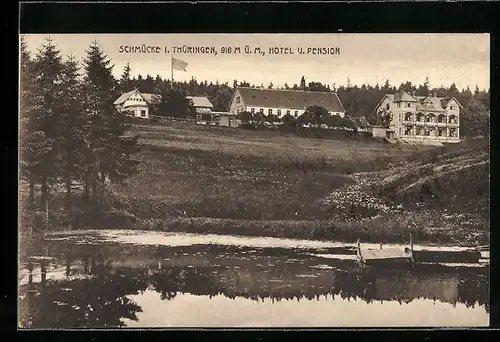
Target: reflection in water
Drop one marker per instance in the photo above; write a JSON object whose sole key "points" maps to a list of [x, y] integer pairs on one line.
{"points": [[110, 285]]}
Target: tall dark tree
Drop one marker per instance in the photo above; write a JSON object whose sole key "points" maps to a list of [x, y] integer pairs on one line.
{"points": [[302, 83], [28, 157], [111, 156], [48, 89], [173, 103], [73, 128], [475, 120], [125, 83]]}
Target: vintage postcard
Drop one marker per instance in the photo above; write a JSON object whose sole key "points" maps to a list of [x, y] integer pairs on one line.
{"points": [[254, 180]]}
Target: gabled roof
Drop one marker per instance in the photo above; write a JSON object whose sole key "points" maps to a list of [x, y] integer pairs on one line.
{"points": [[446, 100], [125, 96], [149, 97], [200, 101], [404, 96], [291, 99], [434, 103]]}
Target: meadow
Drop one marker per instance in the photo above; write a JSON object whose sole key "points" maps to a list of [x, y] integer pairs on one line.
{"points": [[315, 185]]}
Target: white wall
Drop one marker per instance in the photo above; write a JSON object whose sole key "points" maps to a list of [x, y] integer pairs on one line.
{"points": [[283, 111]]}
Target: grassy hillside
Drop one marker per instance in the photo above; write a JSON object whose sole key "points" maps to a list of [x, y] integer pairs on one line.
{"points": [[315, 185], [215, 172]]}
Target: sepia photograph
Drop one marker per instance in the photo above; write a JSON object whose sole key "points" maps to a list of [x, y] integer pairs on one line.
{"points": [[336, 180]]}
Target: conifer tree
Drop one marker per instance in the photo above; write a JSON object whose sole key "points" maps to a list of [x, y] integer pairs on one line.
{"points": [[73, 127], [125, 83], [43, 126], [111, 150], [28, 160]]}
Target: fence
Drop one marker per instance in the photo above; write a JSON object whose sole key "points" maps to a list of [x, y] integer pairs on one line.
{"points": [[172, 118]]}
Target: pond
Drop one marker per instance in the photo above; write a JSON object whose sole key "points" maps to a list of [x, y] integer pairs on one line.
{"points": [[134, 279]]}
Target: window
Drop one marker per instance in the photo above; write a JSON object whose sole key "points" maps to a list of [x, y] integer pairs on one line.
{"points": [[399, 104], [143, 112], [408, 105], [279, 112], [453, 132], [296, 113], [237, 99], [407, 130], [252, 110], [451, 107], [270, 111], [261, 111], [408, 117], [387, 106], [287, 112]]}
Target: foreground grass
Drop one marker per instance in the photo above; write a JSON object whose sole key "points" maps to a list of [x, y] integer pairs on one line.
{"points": [[231, 173]]}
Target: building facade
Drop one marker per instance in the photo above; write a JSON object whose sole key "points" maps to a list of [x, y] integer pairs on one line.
{"points": [[201, 104], [283, 102], [421, 119], [135, 103], [138, 104]]}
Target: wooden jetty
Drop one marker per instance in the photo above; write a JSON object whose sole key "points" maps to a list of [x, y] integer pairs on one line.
{"points": [[409, 256], [383, 256]]}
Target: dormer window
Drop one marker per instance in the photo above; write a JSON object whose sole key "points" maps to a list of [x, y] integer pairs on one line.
{"points": [[451, 107], [237, 99], [408, 105], [387, 106]]}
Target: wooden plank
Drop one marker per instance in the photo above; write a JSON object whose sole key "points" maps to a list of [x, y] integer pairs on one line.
{"points": [[470, 256], [388, 253]]}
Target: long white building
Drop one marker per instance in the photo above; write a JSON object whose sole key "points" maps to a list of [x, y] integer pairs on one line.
{"points": [[283, 102]]}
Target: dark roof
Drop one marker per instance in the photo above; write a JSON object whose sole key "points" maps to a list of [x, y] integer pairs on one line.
{"points": [[125, 96], [436, 104], [200, 101], [404, 96], [291, 99]]}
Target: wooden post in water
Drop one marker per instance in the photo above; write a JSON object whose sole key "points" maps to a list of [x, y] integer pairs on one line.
{"points": [[360, 258], [43, 268], [411, 250], [30, 269], [86, 264]]}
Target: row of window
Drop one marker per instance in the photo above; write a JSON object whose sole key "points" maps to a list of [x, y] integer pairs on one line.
{"points": [[136, 99], [429, 132], [431, 118], [270, 111], [407, 105]]}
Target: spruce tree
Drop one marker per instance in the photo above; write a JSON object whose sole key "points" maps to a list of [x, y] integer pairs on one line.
{"points": [[73, 127], [28, 158], [43, 126], [125, 83], [111, 150]]}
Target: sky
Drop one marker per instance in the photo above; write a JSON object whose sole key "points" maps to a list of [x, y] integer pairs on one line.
{"points": [[363, 59]]}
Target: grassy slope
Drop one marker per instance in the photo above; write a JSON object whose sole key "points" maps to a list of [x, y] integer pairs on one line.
{"points": [[233, 181]]}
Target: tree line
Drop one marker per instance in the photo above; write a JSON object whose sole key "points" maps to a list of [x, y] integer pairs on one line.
{"points": [[359, 101], [73, 140]]}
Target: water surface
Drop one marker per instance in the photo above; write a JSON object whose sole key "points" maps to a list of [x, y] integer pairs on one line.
{"points": [[132, 279]]}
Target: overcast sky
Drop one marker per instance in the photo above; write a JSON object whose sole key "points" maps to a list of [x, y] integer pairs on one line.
{"points": [[364, 58]]}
